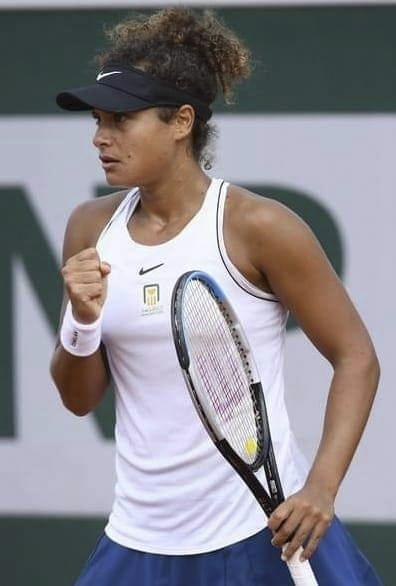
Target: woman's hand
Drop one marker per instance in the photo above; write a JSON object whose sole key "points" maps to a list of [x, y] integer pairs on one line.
{"points": [[302, 519], [85, 278]]}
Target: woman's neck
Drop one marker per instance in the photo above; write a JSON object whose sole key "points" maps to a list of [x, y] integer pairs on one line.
{"points": [[179, 194]]}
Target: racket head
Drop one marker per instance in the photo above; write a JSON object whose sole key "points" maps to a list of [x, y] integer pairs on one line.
{"points": [[219, 369]]}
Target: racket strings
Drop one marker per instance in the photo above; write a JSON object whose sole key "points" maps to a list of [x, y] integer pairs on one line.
{"points": [[222, 382]]}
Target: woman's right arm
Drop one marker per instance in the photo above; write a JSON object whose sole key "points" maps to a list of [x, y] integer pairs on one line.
{"points": [[81, 381]]}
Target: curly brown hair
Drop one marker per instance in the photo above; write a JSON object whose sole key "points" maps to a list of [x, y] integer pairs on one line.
{"points": [[193, 50]]}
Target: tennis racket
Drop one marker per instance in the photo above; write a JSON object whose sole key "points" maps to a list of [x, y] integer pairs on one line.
{"points": [[224, 385]]}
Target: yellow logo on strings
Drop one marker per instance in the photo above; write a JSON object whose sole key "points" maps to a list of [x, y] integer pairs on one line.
{"points": [[251, 446]]}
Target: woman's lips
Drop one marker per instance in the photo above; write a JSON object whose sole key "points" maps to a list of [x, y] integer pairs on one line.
{"points": [[108, 162]]}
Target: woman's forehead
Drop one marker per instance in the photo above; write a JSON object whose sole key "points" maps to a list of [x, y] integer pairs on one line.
{"points": [[147, 114]]}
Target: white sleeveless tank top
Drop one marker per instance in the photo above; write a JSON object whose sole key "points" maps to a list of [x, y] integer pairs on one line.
{"points": [[175, 494]]}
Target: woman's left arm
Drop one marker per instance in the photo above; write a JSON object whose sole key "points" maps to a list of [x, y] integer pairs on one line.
{"points": [[299, 273]]}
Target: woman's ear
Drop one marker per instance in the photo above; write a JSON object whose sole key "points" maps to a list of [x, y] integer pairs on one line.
{"points": [[184, 121]]}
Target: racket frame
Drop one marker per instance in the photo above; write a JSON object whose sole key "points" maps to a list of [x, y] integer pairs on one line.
{"points": [[265, 456], [301, 572]]}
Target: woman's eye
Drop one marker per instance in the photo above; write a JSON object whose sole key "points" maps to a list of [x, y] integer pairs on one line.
{"points": [[119, 117]]}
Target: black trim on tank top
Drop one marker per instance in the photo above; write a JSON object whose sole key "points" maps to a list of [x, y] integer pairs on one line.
{"points": [[223, 260], [120, 208]]}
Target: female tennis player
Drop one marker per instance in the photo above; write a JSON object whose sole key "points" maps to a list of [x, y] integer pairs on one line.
{"points": [[181, 515]]}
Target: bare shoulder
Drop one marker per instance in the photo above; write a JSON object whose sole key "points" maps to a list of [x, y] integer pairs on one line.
{"points": [[263, 221], [87, 220], [253, 211], [270, 234]]}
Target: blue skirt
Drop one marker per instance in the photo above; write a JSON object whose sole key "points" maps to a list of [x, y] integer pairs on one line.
{"points": [[251, 562]]}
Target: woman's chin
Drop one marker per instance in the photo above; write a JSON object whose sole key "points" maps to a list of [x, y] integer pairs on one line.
{"points": [[115, 180], [118, 184], [118, 178]]}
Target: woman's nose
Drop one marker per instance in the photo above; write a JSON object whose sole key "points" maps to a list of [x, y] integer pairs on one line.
{"points": [[101, 137]]}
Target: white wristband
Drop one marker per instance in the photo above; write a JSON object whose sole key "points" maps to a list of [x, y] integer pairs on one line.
{"points": [[77, 338]]}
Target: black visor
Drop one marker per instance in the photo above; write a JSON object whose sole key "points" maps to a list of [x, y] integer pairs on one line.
{"points": [[120, 89]]}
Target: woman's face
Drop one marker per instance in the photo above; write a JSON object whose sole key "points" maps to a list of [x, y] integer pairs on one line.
{"points": [[134, 147]]}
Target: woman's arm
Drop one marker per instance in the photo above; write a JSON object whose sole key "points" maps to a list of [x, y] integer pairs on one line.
{"points": [[284, 250], [81, 381]]}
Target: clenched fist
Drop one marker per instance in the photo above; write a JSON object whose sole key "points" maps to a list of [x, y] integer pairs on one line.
{"points": [[85, 278]]}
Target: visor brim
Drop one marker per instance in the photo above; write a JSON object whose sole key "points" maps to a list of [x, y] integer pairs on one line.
{"points": [[102, 97]]}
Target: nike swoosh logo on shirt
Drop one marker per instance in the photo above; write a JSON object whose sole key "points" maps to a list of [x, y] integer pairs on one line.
{"points": [[101, 75], [144, 271]]}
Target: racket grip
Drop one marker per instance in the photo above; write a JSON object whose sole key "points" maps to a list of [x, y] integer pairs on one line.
{"points": [[301, 572]]}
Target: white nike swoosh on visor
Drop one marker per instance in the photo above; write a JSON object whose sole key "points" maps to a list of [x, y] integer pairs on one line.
{"points": [[100, 75]]}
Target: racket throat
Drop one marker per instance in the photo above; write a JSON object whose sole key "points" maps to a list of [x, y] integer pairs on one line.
{"points": [[247, 476], [273, 480]]}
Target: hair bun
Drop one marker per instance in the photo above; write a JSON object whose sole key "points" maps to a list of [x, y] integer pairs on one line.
{"points": [[177, 44]]}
